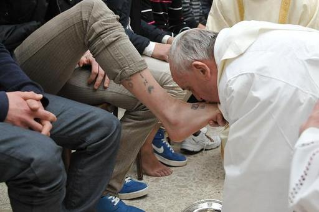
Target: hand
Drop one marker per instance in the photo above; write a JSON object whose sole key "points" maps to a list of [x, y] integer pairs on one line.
{"points": [[217, 120], [170, 40], [201, 26], [25, 108], [35, 105], [313, 120], [161, 51], [97, 73]]}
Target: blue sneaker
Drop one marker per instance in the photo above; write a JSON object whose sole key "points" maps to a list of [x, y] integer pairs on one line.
{"points": [[133, 189], [110, 203], [165, 153]]}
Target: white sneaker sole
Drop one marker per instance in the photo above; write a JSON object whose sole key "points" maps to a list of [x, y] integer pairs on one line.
{"points": [[135, 194], [197, 148], [170, 162]]}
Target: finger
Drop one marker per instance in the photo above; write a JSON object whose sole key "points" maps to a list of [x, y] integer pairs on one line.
{"points": [[106, 81], [30, 95], [34, 125], [213, 124], [47, 126], [33, 104], [316, 108], [82, 61], [99, 78], [45, 115], [220, 120], [94, 72]]}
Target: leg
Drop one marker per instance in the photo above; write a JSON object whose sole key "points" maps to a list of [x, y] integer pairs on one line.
{"points": [[137, 121], [151, 166], [94, 134], [49, 56], [31, 166]]}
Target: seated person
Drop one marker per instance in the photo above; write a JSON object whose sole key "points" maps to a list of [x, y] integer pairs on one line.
{"points": [[148, 40], [49, 56], [30, 146]]}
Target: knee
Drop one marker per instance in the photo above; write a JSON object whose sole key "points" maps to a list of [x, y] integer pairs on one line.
{"points": [[95, 5], [107, 128]]}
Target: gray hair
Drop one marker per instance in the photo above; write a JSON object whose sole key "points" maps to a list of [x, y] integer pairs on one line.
{"points": [[191, 45]]}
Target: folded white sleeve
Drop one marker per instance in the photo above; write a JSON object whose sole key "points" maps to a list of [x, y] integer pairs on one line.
{"points": [[304, 175]]}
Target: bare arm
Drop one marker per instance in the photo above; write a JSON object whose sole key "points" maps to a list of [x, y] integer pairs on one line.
{"points": [[179, 118]]}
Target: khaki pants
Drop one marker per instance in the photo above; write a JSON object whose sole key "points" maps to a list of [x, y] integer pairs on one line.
{"points": [[51, 53]]}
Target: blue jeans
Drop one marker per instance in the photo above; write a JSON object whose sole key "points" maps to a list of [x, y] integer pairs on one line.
{"points": [[31, 166]]}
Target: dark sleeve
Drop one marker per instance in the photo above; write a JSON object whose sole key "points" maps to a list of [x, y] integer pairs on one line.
{"points": [[176, 20], [12, 78], [152, 32], [13, 35], [206, 5], [4, 106], [188, 14], [139, 42], [147, 12]]}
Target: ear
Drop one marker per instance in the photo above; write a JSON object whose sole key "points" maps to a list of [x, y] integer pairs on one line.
{"points": [[201, 70]]}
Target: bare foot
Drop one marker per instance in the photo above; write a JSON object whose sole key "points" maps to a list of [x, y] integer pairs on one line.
{"points": [[152, 167]]}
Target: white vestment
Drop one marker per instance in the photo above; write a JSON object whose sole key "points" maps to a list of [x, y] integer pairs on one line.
{"points": [[268, 85], [226, 13], [304, 175]]}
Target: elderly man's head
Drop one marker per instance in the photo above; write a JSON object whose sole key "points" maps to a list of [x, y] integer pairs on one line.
{"points": [[192, 63]]}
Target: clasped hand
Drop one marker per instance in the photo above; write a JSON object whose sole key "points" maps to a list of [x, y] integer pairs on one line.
{"points": [[26, 111]]}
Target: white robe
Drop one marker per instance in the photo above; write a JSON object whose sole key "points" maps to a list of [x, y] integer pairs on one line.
{"points": [[226, 13], [268, 85], [304, 175]]}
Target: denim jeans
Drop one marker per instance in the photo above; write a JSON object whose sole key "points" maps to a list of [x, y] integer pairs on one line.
{"points": [[31, 166]]}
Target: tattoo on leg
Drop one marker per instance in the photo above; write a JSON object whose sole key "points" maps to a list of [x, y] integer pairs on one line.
{"points": [[195, 106], [144, 80], [150, 88], [129, 83]]}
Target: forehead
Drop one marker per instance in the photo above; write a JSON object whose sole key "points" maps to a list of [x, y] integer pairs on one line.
{"points": [[183, 79]]}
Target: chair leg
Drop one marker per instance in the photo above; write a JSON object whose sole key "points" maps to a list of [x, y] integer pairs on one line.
{"points": [[66, 157], [139, 166]]}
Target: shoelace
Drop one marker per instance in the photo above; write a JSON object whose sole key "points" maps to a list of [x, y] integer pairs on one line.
{"points": [[168, 145], [114, 199], [128, 179]]}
